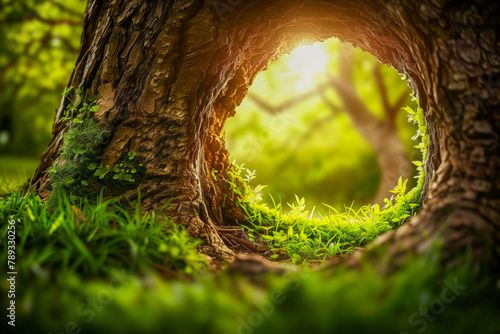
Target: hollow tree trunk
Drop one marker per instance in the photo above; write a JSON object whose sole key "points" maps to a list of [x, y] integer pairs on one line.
{"points": [[171, 72]]}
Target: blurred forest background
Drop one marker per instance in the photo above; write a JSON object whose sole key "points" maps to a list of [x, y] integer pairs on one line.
{"points": [[325, 122], [39, 44]]}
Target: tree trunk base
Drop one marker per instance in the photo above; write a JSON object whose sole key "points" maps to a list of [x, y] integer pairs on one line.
{"points": [[450, 232], [194, 217]]}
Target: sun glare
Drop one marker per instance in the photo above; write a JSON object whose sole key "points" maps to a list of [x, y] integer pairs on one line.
{"points": [[307, 61]]}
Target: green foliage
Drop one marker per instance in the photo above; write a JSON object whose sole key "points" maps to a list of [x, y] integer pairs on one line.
{"points": [[40, 41], [93, 239], [127, 168], [302, 236], [81, 154], [81, 149]]}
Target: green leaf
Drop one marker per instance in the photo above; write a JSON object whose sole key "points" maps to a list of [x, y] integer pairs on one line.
{"points": [[121, 175], [94, 109], [403, 188], [56, 224], [69, 180], [274, 256], [80, 89], [162, 248], [409, 110], [84, 183], [131, 155], [30, 214], [67, 91], [79, 149], [417, 163], [102, 171], [77, 121], [92, 166]]}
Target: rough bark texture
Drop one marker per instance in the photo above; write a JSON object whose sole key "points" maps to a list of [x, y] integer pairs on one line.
{"points": [[171, 72]]}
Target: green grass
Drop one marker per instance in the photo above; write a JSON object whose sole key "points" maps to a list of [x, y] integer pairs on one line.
{"points": [[300, 236], [15, 171], [104, 267], [314, 302], [93, 237]]}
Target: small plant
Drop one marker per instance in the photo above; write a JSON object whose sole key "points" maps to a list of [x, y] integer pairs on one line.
{"points": [[78, 108], [79, 171], [127, 168], [82, 148]]}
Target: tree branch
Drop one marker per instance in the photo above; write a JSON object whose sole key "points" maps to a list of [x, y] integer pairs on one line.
{"points": [[379, 80], [288, 103], [370, 127], [316, 125], [43, 41], [36, 17], [66, 9], [68, 44], [390, 110], [397, 106], [353, 104]]}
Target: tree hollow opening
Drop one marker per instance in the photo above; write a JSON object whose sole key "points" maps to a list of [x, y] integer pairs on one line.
{"points": [[325, 104], [303, 134]]}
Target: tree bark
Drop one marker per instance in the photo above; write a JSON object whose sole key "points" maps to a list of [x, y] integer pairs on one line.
{"points": [[171, 72]]}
